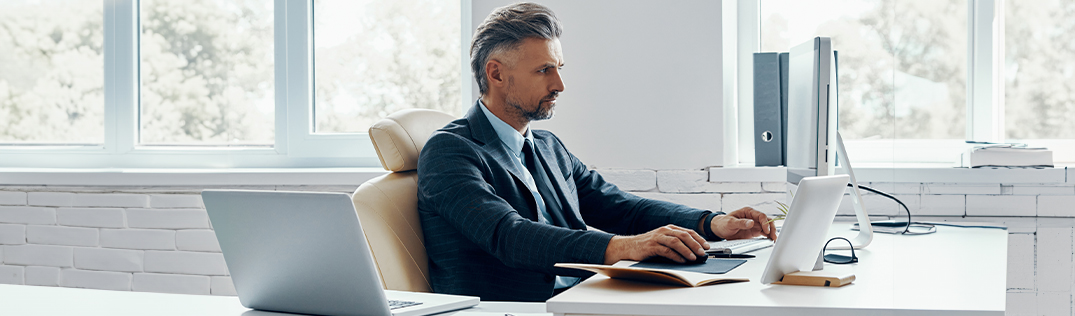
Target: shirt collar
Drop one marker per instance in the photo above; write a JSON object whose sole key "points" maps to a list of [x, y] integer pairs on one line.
{"points": [[508, 135]]}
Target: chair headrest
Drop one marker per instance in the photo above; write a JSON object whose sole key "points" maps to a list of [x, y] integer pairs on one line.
{"points": [[399, 137]]}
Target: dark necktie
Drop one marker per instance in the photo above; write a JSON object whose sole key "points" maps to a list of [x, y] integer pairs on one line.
{"points": [[544, 186]]}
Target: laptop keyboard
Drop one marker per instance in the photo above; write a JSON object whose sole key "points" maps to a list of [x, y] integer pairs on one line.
{"points": [[394, 304]]}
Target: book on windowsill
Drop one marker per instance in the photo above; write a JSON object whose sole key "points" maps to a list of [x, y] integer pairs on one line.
{"points": [[663, 276], [1007, 156]]}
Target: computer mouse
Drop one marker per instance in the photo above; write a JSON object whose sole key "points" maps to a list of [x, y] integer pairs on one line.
{"points": [[659, 259]]}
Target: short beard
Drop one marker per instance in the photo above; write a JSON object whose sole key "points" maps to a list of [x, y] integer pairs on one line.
{"points": [[540, 112]]}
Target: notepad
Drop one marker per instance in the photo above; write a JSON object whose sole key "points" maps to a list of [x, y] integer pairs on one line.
{"points": [[711, 266]]}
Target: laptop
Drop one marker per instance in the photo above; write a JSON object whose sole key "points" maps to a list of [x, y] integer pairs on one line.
{"points": [[802, 236], [303, 252]]}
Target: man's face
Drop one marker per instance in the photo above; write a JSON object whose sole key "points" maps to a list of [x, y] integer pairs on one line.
{"points": [[534, 82]]}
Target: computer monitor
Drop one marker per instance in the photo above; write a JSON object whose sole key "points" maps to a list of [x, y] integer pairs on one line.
{"points": [[812, 110], [812, 134]]}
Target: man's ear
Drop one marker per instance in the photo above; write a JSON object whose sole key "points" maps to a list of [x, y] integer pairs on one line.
{"points": [[494, 72]]}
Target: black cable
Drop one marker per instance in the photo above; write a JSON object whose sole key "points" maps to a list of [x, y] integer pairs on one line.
{"points": [[909, 222]]}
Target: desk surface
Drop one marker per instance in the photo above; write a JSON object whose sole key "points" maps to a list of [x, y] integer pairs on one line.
{"points": [[19, 300], [956, 271]]}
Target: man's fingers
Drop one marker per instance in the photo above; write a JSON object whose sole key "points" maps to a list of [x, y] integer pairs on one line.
{"points": [[745, 223], [692, 239], [677, 245], [762, 219]]}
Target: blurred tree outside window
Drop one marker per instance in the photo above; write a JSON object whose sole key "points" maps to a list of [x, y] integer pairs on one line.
{"points": [[1039, 53], [207, 72], [902, 63], [376, 57], [51, 72]]}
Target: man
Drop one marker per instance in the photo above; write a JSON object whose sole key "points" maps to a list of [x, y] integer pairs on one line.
{"points": [[500, 203]]}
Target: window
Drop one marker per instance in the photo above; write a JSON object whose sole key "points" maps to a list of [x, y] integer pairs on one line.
{"points": [[373, 58], [51, 72], [217, 83], [207, 72], [1039, 78], [918, 77]]}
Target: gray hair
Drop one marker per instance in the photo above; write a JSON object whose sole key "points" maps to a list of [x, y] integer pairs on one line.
{"points": [[504, 29]]}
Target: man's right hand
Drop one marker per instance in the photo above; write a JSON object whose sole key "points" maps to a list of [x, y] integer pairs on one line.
{"points": [[670, 241]]}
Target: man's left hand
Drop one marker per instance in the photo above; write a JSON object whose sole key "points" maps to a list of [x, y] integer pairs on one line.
{"points": [[742, 224]]}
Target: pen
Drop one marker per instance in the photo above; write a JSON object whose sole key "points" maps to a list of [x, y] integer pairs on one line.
{"points": [[731, 255]]}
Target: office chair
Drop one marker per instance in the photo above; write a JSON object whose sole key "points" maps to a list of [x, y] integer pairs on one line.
{"points": [[387, 206]]}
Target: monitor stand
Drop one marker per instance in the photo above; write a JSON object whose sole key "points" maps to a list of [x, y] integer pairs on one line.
{"points": [[865, 235]]}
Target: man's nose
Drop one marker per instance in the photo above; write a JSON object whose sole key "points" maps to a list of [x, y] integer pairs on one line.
{"points": [[557, 83]]}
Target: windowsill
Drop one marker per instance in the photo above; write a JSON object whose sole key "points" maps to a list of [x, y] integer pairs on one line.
{"points": [[914, 173], [921, 173], [187, 177]]}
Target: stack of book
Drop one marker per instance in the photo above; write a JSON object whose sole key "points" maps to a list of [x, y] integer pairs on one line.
{"points": [[1007, 156]]}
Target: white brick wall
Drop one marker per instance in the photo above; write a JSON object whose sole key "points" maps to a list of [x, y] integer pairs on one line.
{"points": [[1021, 261], [631, 180], [50, 198], [11, 274], [1002, 205], [90, 217], [111, 200], [27, 215], [168, 219], [43, 276], [38, 255], [1054, 255], [222, 286], [116, 281], [196, 240], [1062, 206], [147, 239], [160, 240], [943, 205], [183, 262], [12, 234], [108, 259], [171, 283], [12, 198], [59, 235]]}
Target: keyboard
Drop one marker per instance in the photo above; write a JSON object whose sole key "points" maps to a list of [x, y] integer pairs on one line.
{"points": [[394, 304], [739, 246]]}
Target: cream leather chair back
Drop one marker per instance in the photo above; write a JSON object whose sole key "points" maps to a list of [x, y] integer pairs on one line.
{"points": [[388, 205]]}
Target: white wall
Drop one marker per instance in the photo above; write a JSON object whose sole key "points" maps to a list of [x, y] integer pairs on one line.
{"points": [[643, 82]]}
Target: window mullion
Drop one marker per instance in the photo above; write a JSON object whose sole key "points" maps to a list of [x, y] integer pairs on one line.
{"points": [[280, 63], [299, 73], [984, 110], [121, 75]]}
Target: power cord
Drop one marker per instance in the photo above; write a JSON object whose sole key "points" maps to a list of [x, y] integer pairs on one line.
{"points": [[907, 229]]}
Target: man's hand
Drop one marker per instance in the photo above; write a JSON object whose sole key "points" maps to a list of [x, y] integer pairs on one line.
{"points": [[744, 223], [670, 241]]}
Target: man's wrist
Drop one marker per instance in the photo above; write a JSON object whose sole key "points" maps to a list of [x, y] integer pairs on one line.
{"points": [[708, 226]]}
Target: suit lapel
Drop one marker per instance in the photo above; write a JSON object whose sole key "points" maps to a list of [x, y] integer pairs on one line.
{"points": [[483, 132], [569, 213]]}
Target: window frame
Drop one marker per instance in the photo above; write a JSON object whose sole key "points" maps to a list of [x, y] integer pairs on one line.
{"points": [[985, 93], [295, 145]]}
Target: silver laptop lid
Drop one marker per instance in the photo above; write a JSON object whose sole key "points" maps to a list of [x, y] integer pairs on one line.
{"points": [[297, 252]]}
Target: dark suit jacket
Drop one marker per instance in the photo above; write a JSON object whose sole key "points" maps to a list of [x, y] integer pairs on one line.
{"points": [[480, 221]]}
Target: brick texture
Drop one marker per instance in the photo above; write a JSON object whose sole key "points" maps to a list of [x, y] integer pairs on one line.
{"points": [[147, 239], [168, 219], [116, 281], [170, 283], [90, 217], [59, 235], [108, 259], [184, 262]]}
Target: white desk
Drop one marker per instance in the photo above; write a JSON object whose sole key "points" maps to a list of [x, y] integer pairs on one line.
{"points": [[956, 271], [19, 300]]}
